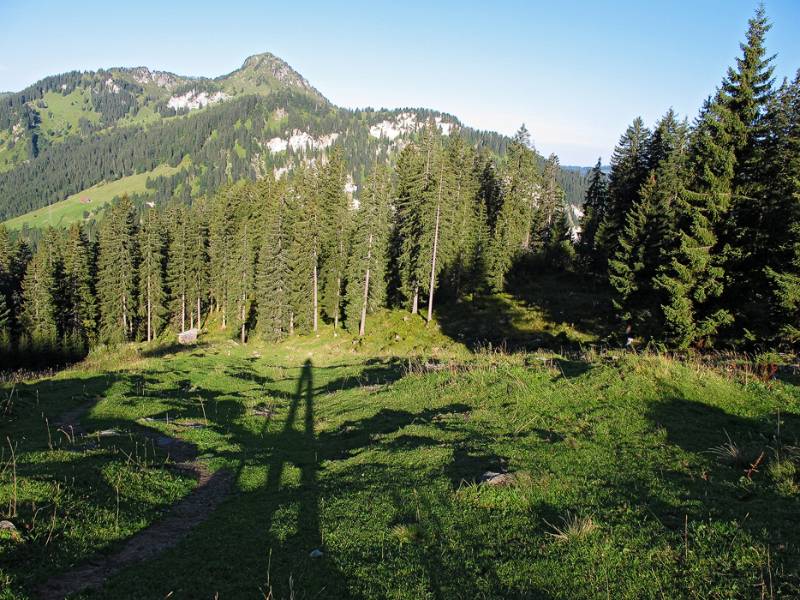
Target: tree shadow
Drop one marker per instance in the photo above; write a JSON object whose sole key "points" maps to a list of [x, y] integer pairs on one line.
{"points": [[163, 350], [729, 471], [554, 311]]}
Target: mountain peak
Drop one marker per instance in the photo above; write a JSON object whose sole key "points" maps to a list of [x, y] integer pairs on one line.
{"points": [[266, 68]]}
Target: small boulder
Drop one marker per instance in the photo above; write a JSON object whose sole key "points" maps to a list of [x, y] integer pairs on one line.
{"points": [[497, 479], [9, 530], [316, 553], [189, 336]]}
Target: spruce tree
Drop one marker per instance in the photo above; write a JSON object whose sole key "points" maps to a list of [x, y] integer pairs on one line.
{"points": [[629, 170], [118, 261], [466, 229], [151, 275], [222, 231], [198, 271], [80, 306], [272, 272], [783, 214], [243, 251], [647, 240], [5, 291], [595, 208], [40, 294], [519, 190], [747, 237], [334, 232], [366, 285], [302, 253], [179, 258]]}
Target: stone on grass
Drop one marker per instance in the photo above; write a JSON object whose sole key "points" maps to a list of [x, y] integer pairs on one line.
{"points": [[9, 530], [497, 479], [189, 336]]}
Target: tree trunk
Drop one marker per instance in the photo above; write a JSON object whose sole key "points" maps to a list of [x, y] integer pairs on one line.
{"points": [[363, 323], [433, 261], [336, 308], [244, 324], [415, 300], [183, 312], [224, 309], [125, 314], [435, 245], [291, 322], [198, 312], [149, 311], [314, 293]]}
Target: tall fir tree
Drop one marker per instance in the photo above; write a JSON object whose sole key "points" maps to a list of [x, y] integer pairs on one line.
{"points": [[198, 271], [272, 285], [783, 214], [179, 258], [647, 240], [366, 283], [118, 261], [520, 189], [746, 93], [152, 294], [595, 208], [334, 232], [79, 310], [303, 254], [629, 170], [40, 293]]}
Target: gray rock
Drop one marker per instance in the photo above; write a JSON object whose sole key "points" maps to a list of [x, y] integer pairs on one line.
{"points": [[8, 526], [496, 479], [316, 553], [189, 336]]}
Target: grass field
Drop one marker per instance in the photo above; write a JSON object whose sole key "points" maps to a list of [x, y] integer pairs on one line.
{"points": [[63, 113], [631, 474], [75, 208]]}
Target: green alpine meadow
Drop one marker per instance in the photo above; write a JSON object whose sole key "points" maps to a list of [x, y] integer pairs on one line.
{"points": [[255, 343]]}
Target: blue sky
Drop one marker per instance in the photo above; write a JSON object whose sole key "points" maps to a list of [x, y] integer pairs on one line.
{"points": [[575, 72]]}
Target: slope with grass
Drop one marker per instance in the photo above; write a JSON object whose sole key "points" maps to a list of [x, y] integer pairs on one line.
{"points": [[90, 202], [630, 476]]}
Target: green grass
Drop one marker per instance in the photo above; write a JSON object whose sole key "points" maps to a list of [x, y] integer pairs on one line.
{"points": [[373, 456], [11, 153], [63, 113], [74, 209]]}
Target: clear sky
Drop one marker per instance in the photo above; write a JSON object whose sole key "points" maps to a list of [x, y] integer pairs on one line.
{"points": [[575, 72]]}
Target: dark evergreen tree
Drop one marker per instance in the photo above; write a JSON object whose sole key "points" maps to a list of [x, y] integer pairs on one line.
{"points": [[520, 189], [152, 294], [40, 294], [366, 283], [273, 286], [79, 309], [118, 261], [595, 208]]}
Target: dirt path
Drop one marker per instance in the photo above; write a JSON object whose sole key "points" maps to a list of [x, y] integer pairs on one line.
{"points": [[212, 488]]}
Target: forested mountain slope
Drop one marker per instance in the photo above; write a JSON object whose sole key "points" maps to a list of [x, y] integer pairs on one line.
{"points": [[69, 132]]}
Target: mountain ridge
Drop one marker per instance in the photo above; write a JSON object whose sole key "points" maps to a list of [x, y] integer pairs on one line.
{"points": [[259, 118]]}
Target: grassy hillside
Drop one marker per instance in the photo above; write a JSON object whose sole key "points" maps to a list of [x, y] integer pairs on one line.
{"points": [[630, 476], [61, 115], [89, 202]]}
